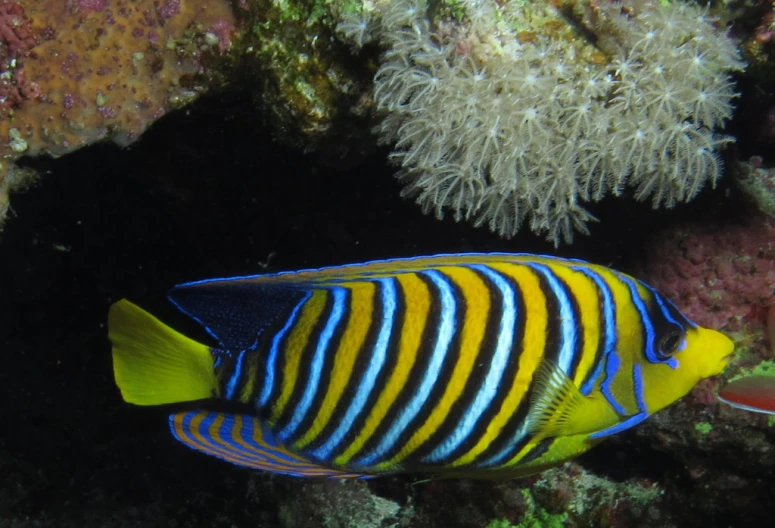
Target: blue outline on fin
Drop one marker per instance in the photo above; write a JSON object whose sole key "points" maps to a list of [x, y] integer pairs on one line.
{"points": [[384, 261]]}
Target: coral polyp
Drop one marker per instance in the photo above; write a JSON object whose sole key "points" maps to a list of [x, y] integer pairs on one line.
{"points": [[502, 113]]}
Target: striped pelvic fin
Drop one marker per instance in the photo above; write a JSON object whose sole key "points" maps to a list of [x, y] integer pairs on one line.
{"points": [[244, 441]]}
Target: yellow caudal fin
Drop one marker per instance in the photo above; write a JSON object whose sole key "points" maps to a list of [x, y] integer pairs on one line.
{"points": [[154, 364]]}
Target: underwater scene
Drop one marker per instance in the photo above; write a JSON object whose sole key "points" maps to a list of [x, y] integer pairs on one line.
{"points": [[387, 263]]}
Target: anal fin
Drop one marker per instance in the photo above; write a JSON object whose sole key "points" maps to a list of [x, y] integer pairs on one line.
{"points": [[243, 440]]}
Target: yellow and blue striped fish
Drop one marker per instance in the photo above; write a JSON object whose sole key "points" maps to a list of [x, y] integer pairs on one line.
{"points": [[473, 365]]}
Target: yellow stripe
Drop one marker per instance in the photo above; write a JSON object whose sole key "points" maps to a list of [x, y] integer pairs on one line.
{"points": [[531, 352], [586, 294], [526, 449], [215, 445], [477, 307], [297, 341], [220, 447], [629, 328], [418, 304], [193, 427], [251, 371], [234, 435], [361, 313]]}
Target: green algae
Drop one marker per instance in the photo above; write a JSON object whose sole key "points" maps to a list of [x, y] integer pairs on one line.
{"points": [[703, 427], [305, 76], [499, 523], [764, 368]]}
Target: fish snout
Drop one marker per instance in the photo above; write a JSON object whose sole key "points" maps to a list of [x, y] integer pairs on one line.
{"points": [[717, 351]]}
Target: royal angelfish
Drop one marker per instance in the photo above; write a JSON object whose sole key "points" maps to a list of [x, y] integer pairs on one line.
{"points": [[471, 365]]}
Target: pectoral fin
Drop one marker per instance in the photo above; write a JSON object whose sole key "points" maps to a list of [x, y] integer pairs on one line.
{"points": [[558, 408]]}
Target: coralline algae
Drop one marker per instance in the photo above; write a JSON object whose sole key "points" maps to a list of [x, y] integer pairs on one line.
{"points": [[78, 72], [719, 275]]}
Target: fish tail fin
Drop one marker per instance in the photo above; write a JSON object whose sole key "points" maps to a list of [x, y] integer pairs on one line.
{"points": [[154, 364]]}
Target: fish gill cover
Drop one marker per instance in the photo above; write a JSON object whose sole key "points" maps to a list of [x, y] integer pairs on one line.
{"points": [[522, 111]]}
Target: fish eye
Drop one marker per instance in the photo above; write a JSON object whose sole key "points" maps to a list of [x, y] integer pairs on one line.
{"points": [[668, 345]]}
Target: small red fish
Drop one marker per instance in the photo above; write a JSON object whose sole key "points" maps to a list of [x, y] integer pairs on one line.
{"points": [[753, 393]]}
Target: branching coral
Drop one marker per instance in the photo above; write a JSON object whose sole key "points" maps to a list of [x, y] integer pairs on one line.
{"points": [[515, 114]]}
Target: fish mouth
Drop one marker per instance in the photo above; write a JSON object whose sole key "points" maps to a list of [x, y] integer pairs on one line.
{"points": [[718, 351], [725, 346], [724, 364]]}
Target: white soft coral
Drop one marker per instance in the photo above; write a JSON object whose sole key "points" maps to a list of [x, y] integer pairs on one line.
{"points": [[500, 130]]}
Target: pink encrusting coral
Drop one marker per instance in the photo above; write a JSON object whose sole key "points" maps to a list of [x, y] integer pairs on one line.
{"points": [[16, 39], [720, 275], [72, 73]]}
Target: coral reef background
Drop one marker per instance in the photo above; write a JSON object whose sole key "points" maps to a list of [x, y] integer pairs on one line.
{"points": [[499, 113], [273, 168], [112, 223]]}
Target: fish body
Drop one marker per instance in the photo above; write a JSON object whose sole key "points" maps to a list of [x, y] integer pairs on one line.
{"points": [[476, 365], [751, 393]]}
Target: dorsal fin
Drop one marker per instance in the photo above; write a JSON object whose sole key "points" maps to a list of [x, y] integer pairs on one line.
{"points": [[235, 312], [243, 440]]}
